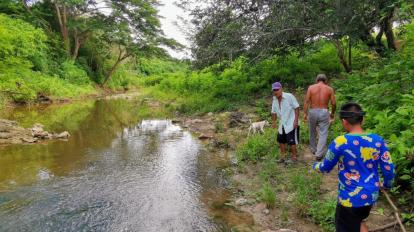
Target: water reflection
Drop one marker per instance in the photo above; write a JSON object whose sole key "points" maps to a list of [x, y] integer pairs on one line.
{"points": [[116, 173]]}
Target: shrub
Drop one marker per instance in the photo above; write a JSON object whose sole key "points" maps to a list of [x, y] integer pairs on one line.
{"points": [[74, 74]]}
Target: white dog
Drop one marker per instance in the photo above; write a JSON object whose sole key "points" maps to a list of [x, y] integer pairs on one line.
{"points": [[257, 126]]}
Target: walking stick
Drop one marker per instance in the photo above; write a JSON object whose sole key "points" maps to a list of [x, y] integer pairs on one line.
{"points": [[396, 211]]}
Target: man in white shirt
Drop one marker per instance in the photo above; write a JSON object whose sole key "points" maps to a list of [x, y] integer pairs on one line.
{"points": [[286, 108]]}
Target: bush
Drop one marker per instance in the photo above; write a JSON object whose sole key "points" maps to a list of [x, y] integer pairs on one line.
{"points": [[124, 79], [74, 74], [21, 45]]}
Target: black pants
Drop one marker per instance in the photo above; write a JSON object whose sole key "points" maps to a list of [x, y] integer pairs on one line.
{"points": [[349, 219], [291, 138]]}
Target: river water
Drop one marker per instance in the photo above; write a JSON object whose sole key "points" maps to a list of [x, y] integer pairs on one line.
{"points": [[125, 168]]}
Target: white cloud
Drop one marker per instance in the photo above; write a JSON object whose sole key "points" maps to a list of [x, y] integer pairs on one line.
{"points": [[170, 15]]}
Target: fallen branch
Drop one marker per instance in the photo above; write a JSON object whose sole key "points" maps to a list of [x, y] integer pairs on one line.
{"points": [[396, 211], [386, 226]]}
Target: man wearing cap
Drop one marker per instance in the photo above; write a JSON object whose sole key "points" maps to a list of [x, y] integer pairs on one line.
{"points": [[286, 108], [318, 97]]}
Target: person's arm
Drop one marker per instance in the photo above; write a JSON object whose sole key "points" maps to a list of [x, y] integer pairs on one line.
{"points": [[295, 123], [295, 105], [387, 166], [306, 105], [333, 104], [274, 115], [330, 160], [274, 120]]}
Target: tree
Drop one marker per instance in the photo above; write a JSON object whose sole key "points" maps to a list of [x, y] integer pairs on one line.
{"points": [[133, 29], [130, 27], [268, 27]]}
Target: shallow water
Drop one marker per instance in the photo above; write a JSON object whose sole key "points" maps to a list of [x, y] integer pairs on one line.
{"points": [[121, 170]]}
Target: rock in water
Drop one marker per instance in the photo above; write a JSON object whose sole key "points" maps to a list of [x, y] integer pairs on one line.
{"points": [[63, 135]]}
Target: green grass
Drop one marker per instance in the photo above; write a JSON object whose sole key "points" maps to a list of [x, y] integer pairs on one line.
{"points": [[267, 195], [258, 146]]}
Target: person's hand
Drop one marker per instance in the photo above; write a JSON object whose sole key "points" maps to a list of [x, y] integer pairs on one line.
{"points": [[305, 117], [295, 124], [274, 125]]}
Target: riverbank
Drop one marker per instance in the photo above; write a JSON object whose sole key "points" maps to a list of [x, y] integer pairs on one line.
{"points": [[278, 196]]}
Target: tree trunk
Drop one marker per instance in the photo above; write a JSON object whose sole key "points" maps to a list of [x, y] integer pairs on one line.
{"points": [[378, 39], [387, 24], [368, 39], [77, 40], [341, 55], [62, 18], [115, 66], [350, 54]]}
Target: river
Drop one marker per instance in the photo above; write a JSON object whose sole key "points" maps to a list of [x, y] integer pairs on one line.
{"points": [[126, 167]]}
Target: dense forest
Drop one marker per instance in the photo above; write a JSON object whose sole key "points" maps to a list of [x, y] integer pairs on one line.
{"points": [[76, 48]]}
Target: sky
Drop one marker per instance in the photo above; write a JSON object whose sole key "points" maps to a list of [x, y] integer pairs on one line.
{"points": [[170, 13]]}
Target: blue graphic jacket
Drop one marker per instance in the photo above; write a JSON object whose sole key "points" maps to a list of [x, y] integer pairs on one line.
{"points": [[358, 157]]}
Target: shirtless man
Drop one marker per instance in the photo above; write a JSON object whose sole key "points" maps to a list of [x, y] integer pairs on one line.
{"points": [[318, 97]]}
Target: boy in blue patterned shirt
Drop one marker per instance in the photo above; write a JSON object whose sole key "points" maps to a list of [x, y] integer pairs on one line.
{"points": [[358, 155]]}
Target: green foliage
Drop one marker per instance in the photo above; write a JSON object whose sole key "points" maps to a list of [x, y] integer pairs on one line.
{"points": [[324, 56], [73, 74], [124, 79], [156, 66], [215, 90], [22, 51], [21, 45], [408, 218], [323, 213], [258, 146], [263, 110]]}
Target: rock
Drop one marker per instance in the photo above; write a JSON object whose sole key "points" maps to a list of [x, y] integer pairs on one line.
{"points": [[220, 144], [197, 121], [11, 133], [42, 98], [210, 114], [260, 207], [63, 135], [203, 136], [37, 129], [237, 118], [42, 135], [241, 201], [176, 121], [5, 135], [266, 211], [7, 125], [29, 140]]}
